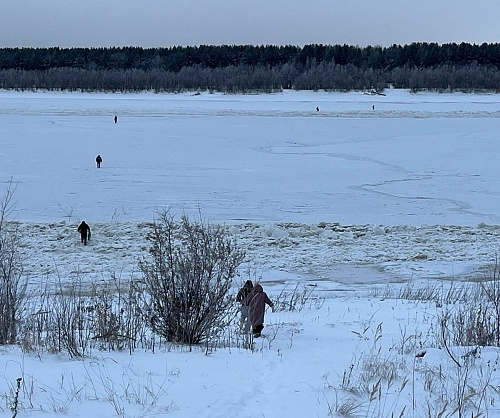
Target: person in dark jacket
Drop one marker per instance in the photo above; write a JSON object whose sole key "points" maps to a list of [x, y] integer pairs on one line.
{"points": [[84, 231], [241, 297], [98, 160], [257, 301]]}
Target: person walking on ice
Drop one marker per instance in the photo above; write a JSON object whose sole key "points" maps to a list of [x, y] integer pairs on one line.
{"points": [[98, 160], [84, 231], [257, 303]]}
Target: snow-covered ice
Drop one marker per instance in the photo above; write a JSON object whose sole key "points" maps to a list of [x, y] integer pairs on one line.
{"points": [[415, 159], [345, 199], [410, 187]]}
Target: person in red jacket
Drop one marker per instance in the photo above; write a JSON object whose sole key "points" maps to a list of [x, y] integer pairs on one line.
{"points": [[257, 304]]}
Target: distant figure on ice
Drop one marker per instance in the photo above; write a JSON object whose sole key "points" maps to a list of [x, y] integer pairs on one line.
{"points": [[84, 231], [317, 109], [373, 107], [257, 301], [116, 119], [241, 297], [98, 160]]}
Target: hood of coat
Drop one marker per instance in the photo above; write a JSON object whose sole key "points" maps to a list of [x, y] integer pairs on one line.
{"points": [[258, 288]]}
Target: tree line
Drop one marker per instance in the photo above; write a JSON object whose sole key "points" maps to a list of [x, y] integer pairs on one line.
{"points": [[247, 68]]}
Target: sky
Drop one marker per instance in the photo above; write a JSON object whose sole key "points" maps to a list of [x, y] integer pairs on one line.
{"points": [[408, 198], [165, 23]]}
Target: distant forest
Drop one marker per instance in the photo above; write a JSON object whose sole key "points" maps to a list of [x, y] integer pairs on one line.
{"points": [[245, 68]]}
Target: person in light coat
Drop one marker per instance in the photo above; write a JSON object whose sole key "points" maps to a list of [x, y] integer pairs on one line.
{"points": [[241, 297], [257, 301]]}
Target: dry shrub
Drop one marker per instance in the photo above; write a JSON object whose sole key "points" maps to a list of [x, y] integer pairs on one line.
{"points": [[188, 279]]}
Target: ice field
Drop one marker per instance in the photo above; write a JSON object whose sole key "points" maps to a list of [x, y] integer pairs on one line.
{"points": [[406, 185]]}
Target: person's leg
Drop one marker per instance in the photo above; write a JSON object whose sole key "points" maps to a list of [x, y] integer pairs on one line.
{"points": [[244, 319], [257, 329], [246, 329]]}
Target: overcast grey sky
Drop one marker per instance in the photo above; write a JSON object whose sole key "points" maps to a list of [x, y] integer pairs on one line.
{"points": [[163, 23]]}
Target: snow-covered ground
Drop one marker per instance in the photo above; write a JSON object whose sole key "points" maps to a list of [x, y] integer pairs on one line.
{"points": [[368, 191]]}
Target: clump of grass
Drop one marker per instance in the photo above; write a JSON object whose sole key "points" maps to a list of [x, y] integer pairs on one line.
{"points": [[298, 298], [461, 383]]}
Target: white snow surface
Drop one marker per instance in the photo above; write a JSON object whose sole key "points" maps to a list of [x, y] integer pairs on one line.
{"points": [[345, 198]]}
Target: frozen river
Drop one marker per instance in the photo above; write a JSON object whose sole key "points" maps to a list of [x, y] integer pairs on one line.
{"points": [[398, 186], [414, 159]]}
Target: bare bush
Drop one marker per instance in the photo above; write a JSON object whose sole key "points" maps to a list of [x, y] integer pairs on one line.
{"points": [[490, 288], [475, 322], [188, 279], [12, 283], [70, 327], [76, 316], [115, 311]]}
